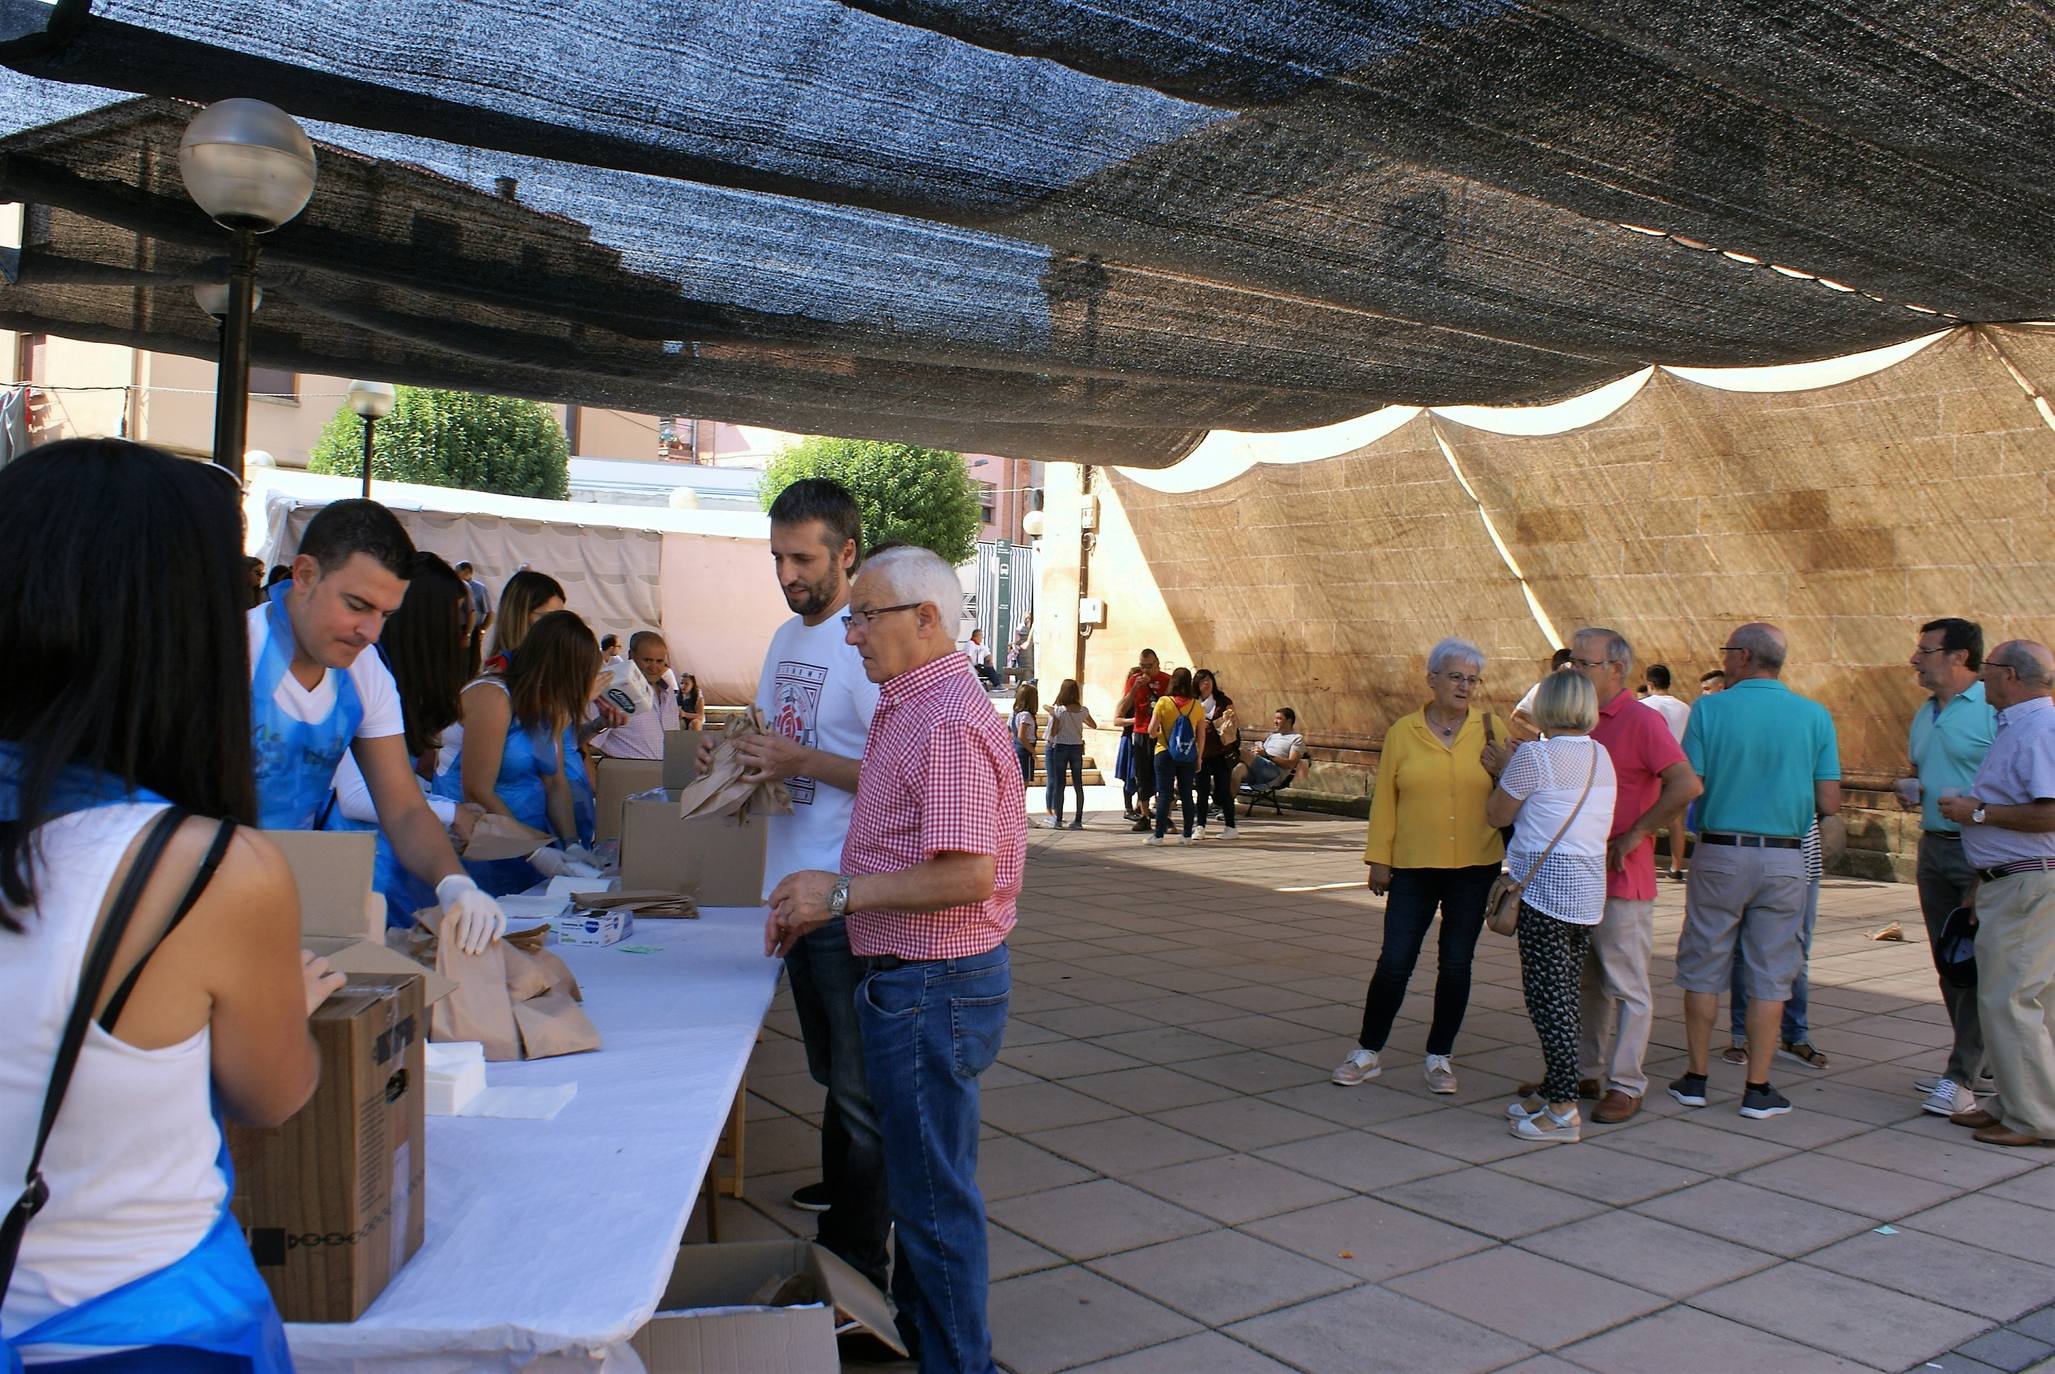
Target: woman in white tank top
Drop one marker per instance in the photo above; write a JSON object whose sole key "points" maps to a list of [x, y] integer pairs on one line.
{"points": [[198, 1005]]}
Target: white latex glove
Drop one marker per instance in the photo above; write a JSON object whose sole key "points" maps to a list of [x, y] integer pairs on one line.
{"points": [[552, 862], [578, 853], [469, 917]]}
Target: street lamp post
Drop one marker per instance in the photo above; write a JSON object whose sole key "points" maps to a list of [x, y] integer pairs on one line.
{"points": [[373, 402], [251, 168]]}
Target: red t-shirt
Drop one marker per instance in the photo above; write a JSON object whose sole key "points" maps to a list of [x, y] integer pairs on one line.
{"points": [[1639, 742], [1159, 683]]}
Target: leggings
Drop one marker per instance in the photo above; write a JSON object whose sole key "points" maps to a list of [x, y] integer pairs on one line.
{"points": [[1551, 963], [1216, 786]]}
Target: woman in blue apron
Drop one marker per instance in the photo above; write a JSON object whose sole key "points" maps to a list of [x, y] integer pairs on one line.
{"points": [[520, 748], [423, 646], [89, 1288]]}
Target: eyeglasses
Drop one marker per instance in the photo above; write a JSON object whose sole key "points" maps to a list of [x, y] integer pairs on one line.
{"points": [[1587, 663], [1460, 680], [1922, 651], [870, 617], [1732, 649]]}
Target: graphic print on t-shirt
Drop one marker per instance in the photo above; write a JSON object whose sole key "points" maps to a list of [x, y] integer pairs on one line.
{"points": [[795, 709]]}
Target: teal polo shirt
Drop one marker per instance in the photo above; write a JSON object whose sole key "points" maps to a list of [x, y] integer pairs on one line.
{"points": [[1760, 747], [1947, 746]]}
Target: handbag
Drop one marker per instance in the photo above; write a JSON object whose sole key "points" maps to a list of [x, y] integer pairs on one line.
{"points": [[1955, 952], [1502, 905], [92, 977]]}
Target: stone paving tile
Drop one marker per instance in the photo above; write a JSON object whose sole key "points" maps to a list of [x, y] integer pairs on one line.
{"points": [[1009, 1168], [1879, 1327], [1955, 1158], [1683, 1141], [1367, 1237], [1992, 1222], [1124, 1145], [1039, 1106], [1101, 1217], [1064, 1059], [1150, 1089], [2007, 1350], [1223, 1276], [1969, 1277], [1480, 1199], [1755, 1217], [1236, 1188], [1681, 1340], [1647, 1253], [1244, 1123], [1365, 1163], [1011, 1254], [1210, 1352], [1251, 1071], [1850, 1186], [1165, 1044], [1610, 1176], [2036, 1189], [1071, 1316], [1476, 1137], [1372, 1331], [1086, 1023], [1527, 1297]]}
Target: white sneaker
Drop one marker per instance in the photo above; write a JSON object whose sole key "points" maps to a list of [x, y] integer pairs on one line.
{"points": [[1948, 1098], [1230, 833], [1360, 1067], [1200, 833], [1441, 1074], [1153, 839], [1186, 839]]}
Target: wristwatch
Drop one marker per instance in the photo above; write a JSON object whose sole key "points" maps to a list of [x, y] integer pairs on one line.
{"points": [[1978, 815], [838, 898]]}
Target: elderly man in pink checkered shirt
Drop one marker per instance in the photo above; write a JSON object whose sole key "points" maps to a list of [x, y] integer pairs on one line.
{"points": [[930, 874]]}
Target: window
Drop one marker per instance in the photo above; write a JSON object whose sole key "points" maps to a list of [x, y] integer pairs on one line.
{"points": [[275, 384]]}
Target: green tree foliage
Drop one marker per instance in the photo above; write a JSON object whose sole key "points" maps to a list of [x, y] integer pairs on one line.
{"points": [[908, 495], [454, 439]]}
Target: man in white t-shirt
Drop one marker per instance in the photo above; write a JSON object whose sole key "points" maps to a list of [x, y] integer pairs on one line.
{"points": [[1676, 714], [645, 689], [1279, 753], [317, 690], [818, 702]]}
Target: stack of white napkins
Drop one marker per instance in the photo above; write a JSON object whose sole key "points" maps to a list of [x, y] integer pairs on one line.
{"points": [[456, 1075]]}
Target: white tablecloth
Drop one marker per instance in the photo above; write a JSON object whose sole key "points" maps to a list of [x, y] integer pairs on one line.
{"points": [[555, 1238]]}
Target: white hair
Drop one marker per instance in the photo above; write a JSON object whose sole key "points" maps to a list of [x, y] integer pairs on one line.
{"points": [[917, 575], [1453, 650], [1617, 649]]}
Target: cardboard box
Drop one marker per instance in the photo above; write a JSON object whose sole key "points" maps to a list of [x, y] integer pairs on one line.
{"points": [[613, 781], [332, 1202], [593, 927], [341, 918], [705, 1324], [681, 758], [715, 860]]}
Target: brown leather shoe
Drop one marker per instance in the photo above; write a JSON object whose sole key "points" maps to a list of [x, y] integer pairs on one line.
{"points": [[1976, 1120], [1616, 1107], [2001, 1134], [1587, 1088]]}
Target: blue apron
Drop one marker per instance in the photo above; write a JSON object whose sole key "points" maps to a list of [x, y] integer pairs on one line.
{"points": [[525, 760], [295, 761], [404, 893], [211, 1298], [584, 805]]}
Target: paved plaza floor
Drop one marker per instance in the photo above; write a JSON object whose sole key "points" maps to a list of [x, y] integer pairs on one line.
{"points": [[1175, 1187]]}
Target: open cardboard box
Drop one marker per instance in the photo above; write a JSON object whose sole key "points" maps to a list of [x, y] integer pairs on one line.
{"points": [[705, 1325], [681, 759], [616, 780], [341, 918], [715, 860]]}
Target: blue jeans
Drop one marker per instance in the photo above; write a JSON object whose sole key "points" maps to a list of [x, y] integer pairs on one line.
{"points": [[929, 1030], [1409, 909], [824, 977], [1057, 761], [1795, 1029], [1171, 773]]}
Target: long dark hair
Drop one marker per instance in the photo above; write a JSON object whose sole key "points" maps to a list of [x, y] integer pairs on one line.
{"points": [[1220, 698], [551, 678], [1180, 683], [524, 591], [136, 666], [423, 643]]}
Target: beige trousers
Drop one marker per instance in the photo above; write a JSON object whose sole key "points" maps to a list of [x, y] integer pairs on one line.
{"points": [[2016, 997], [1616, 981]]}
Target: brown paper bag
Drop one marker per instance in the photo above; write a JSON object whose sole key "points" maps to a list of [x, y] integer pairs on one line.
{"points": [[516, 999], [723, 790], [502, 837]]}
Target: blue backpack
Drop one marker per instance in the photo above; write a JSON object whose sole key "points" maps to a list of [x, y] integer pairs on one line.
{"points": [[1184, 742]]}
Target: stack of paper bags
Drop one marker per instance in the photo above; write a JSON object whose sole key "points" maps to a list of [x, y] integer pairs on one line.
{"points": [[724, 790], [516, 999]]}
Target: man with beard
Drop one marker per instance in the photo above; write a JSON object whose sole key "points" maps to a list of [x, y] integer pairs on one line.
{"points": [[818, 702]]}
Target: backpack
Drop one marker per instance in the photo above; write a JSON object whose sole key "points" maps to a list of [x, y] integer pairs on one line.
{"points": [[1183, 742]]}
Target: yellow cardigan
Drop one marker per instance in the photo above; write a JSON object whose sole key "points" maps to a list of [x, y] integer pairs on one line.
{"points": [[1428, 809]]}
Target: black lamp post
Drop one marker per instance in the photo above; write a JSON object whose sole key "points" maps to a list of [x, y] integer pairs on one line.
{"points": [[373, 402], [251, 168]]}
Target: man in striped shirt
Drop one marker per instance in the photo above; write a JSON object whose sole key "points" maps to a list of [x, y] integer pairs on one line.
{"points": [[930, 875]]}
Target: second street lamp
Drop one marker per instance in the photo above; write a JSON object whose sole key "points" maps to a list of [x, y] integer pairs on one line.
{"points": [[251, 168], [373, 402]]}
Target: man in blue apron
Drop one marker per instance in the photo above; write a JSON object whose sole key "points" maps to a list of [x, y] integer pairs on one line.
{"points": [[317, 690]]}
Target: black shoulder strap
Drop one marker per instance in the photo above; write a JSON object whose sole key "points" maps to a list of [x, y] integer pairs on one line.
{"points": [[91, 978], [222, 835]]}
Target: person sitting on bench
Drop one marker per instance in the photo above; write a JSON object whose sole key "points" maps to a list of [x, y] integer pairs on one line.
{"points": [[1270, 764]]}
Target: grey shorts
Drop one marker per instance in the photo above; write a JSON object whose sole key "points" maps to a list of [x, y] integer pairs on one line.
{"points": [[1733, 888]]}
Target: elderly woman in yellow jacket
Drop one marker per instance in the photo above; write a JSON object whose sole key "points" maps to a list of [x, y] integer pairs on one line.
{"points": [[1431, 849]]}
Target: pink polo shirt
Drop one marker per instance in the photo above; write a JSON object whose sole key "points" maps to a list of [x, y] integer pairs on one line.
{"points": [[940, 776], [1639, 742]]}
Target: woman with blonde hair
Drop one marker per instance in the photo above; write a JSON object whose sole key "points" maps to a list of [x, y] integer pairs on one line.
{"points": [[1068, 720]]}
